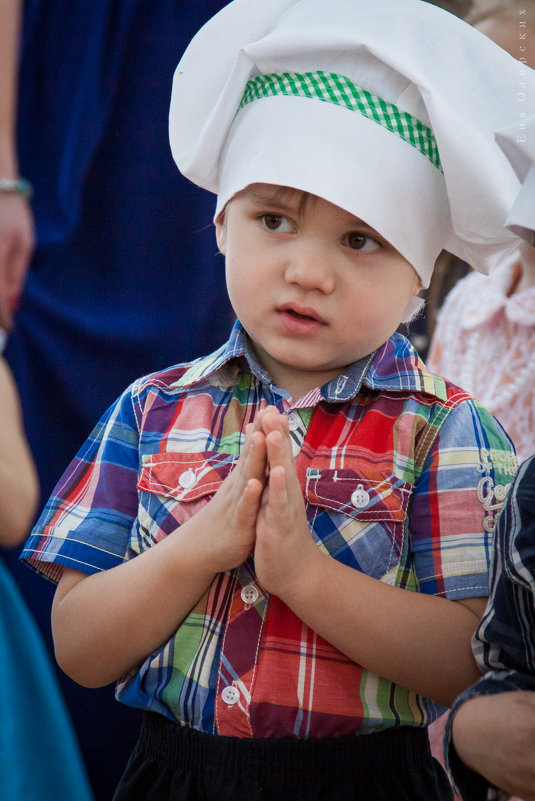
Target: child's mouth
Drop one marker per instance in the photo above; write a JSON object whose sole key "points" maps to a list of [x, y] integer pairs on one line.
{"points": [[299, 312], [300, 316], [300, 322]]}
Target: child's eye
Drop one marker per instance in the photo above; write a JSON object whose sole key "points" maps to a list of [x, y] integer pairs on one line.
{"points": [[357, 241], [276, 222]]}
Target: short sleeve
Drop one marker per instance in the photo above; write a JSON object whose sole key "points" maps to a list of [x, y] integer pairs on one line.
{"points": [[87, 521], [467, 473]]}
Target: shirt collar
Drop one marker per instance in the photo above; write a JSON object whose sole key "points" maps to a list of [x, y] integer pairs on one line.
{"points": [[395, 366]]}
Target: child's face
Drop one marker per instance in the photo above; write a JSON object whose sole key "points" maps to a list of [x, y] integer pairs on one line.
{"points": [[314, 287]]}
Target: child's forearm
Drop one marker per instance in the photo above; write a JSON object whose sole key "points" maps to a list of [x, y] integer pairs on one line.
{"points": [[419, 641], [107, 623]]}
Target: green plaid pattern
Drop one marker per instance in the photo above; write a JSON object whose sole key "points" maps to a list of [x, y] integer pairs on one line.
{"points": [[333, 88]]}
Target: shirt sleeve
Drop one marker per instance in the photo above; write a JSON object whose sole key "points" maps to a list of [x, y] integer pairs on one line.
{"points": [[87, 521], [468, 469]]}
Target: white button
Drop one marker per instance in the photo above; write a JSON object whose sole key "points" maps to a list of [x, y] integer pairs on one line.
{"points": [[249, 594], [360, 498], [294, 421], [230, 695], [188, 479]]}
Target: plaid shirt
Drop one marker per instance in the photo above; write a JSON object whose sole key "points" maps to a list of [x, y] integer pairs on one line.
{"points": [[504, 644], [402, 475]]}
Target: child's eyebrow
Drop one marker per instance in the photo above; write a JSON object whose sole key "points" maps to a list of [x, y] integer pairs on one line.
{"points": [[360, 225], [351, 220], [262, 197], [282, 199]]}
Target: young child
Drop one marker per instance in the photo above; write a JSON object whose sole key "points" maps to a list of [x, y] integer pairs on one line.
{"points": [[280, 551]]}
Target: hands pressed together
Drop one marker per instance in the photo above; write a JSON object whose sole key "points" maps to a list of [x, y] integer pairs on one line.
{"points": [[260, 509]]}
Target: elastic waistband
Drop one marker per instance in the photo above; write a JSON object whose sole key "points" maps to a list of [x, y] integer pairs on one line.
{"points": [[401, 749]]}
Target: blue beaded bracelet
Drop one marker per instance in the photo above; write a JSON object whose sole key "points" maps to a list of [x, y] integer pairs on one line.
{"points": [[16, 186]]}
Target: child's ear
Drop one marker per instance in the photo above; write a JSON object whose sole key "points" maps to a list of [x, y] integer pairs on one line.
{"points": [[221, 234]]}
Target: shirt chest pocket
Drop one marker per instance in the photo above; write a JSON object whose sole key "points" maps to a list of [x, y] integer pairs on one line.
{"points": [[360, 518], [172, 487]]}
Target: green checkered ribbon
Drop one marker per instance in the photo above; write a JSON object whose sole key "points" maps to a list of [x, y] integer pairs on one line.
{"points": [[333, 88]]}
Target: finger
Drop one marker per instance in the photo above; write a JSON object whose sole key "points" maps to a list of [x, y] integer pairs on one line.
{"points": [[253, 457], [248, 503], [269, 409], [274, 498], [279, 450], [237, 476], [273, 420], [256, 424], [256, 457], [278, 490]]}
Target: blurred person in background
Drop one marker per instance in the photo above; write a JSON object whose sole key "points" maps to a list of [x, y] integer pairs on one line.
{"points": [[39, 756], [119, 239]]}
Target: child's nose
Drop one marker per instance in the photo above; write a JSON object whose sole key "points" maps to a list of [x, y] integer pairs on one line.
{"points": [[309, 268]]}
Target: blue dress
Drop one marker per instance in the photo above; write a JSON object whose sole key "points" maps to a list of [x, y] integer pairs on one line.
{"points": [[39, 757], [126, 278]]}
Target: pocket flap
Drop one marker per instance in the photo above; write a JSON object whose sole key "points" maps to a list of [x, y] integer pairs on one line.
{"points": [[185, 476], [357, 495]]}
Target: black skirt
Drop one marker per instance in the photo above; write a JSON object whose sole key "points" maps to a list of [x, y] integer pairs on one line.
{"points": [[172, 763]]}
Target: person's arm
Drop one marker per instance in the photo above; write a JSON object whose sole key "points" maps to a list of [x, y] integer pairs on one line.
{"points": [[16, 220], [10, 22], [18, 479], [494, 736], [419, 641], [107, 623]]}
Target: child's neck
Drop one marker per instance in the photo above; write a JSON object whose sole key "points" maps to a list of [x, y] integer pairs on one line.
{"points": [[297, 389], [295, 381]]}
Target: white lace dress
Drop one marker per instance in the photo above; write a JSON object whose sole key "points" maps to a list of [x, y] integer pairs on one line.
{"points": [[485, 342]]}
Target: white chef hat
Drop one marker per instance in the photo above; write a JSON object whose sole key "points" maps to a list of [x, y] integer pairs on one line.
{"points": [[518, 143], [386, 108]]}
